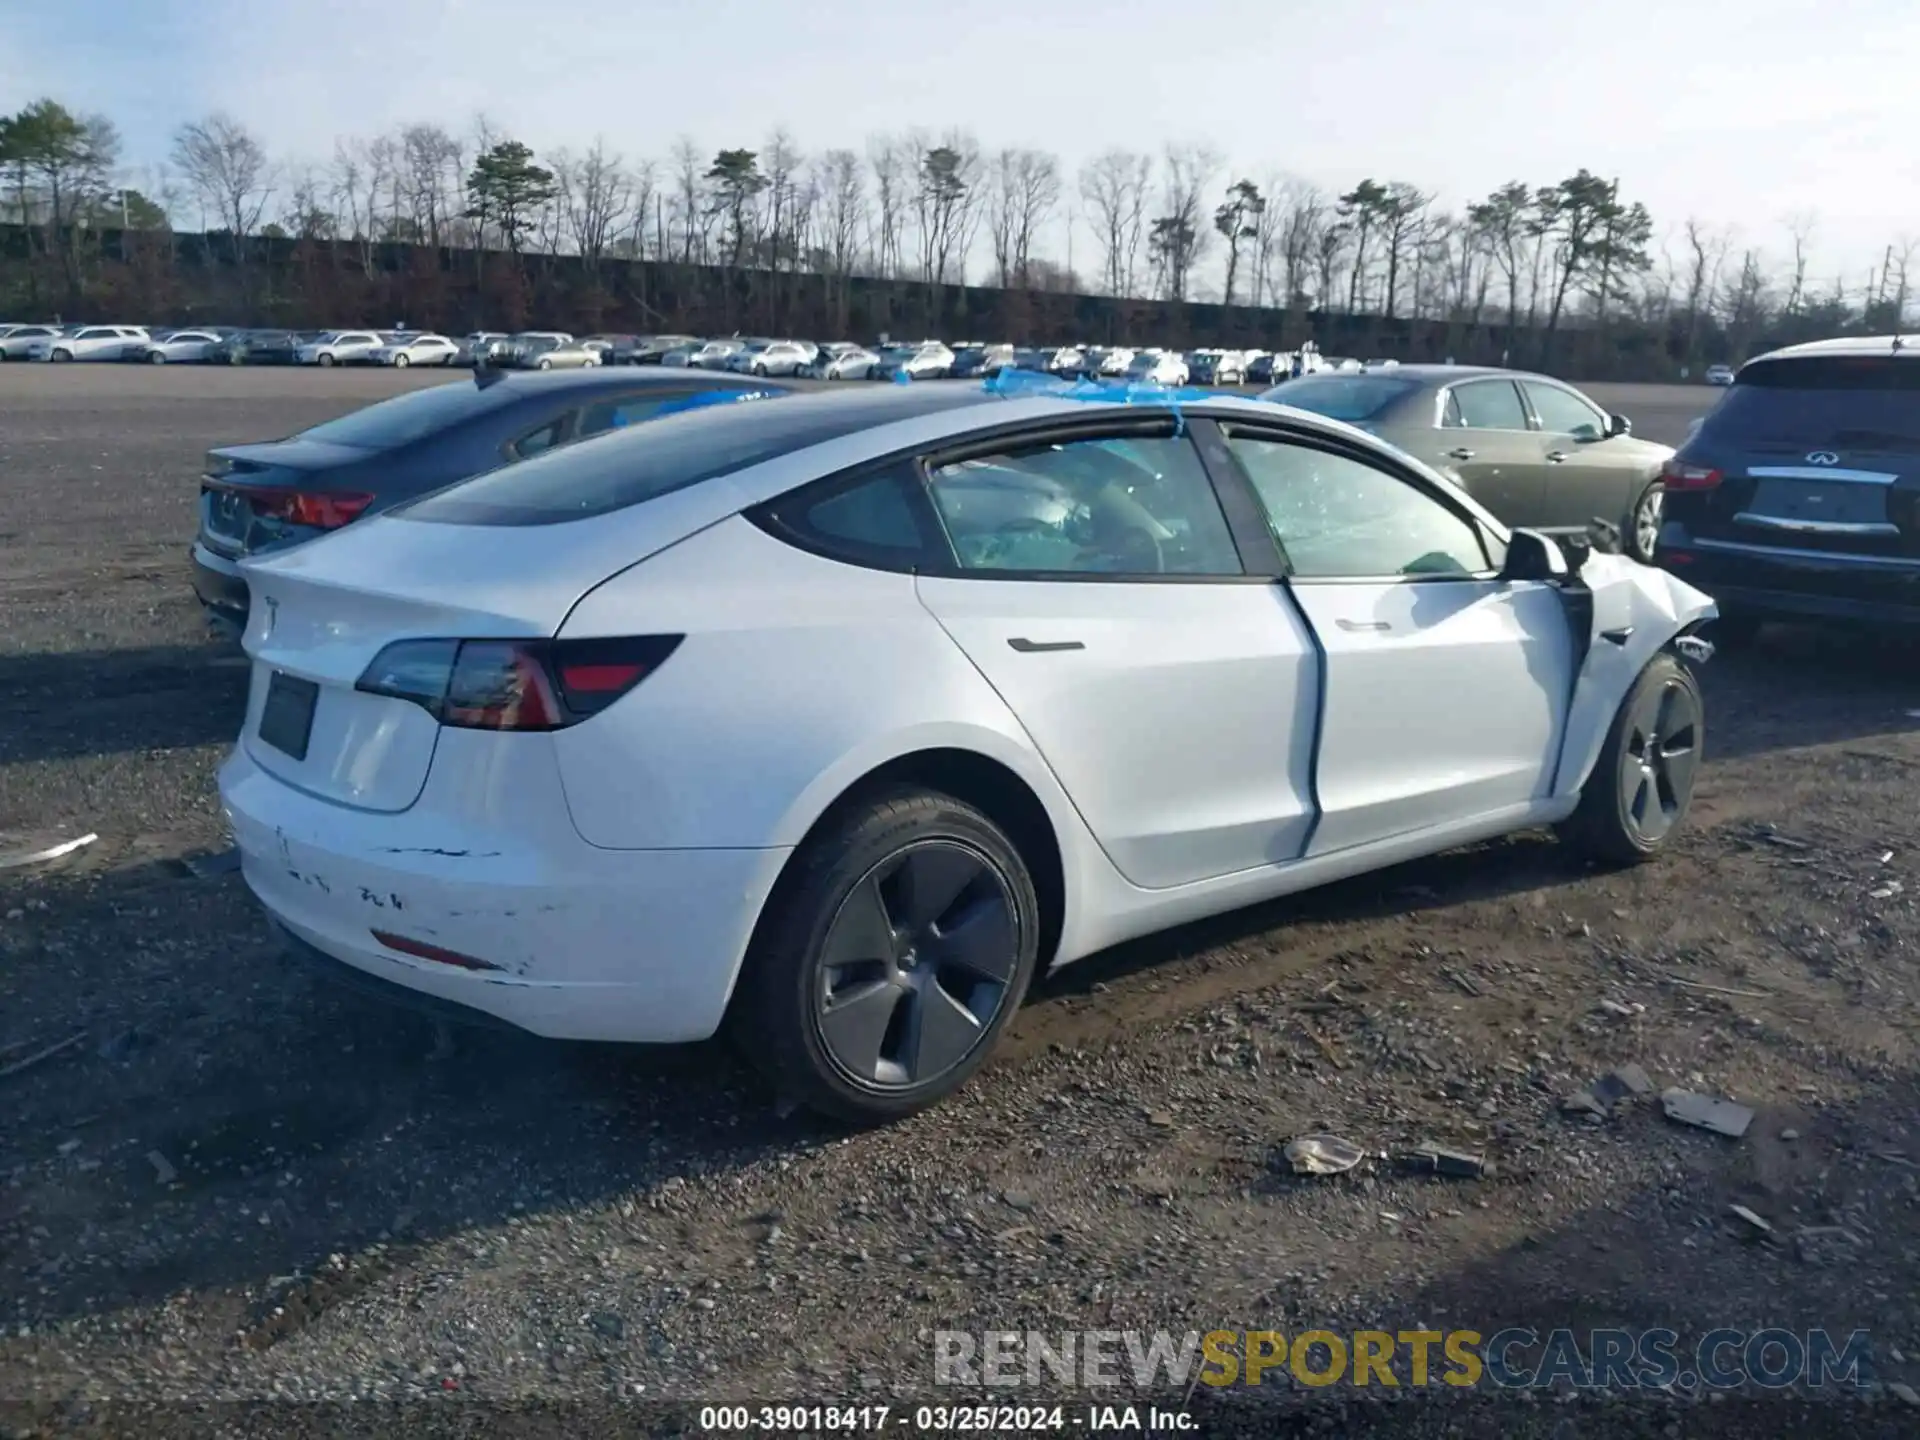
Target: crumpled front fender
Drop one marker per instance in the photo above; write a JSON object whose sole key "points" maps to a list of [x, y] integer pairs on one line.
{"points": [[1637, 611]]}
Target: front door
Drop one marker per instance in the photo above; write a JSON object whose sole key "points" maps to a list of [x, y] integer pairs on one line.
{"points": [[1588, 476], [1100, 592], [1446, 688]]}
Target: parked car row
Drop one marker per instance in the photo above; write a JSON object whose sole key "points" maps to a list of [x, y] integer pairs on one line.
{"points": [[764, 356]]}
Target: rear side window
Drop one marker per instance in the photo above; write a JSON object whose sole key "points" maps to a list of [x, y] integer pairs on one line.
{"points": [[873, 519], [1490, 405], [406, 418], [1834, 402]]}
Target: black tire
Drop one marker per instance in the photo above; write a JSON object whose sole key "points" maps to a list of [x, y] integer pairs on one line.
{"points": [[1641, 536], [156, 358], [545, 365], [786, 990], [1640, 790], [327, 360], [401, 362], [61, 357]]}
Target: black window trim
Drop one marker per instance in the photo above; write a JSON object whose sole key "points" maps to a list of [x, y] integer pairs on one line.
{"points": [[1155, 424], [1256, 557], [1531, 427], [1535, 423], [1279, 433], [779, 517]]}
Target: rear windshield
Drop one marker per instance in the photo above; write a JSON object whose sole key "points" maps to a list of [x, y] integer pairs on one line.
{"points": [[1832, 400], [671, 453], [405, 418], [1342, 397]]}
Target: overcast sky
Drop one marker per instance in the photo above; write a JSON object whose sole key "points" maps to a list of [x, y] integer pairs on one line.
{"points": [[1739, 112]]}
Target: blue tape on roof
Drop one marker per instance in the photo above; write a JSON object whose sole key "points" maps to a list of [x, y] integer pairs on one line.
{"points": [[1014, 384], [701, 401]]}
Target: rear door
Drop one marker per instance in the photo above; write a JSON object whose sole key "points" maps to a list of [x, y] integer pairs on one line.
{"points": [[1446, 687], [1100, 591], [1491, 445], [1588, 476], [1812, 453]]}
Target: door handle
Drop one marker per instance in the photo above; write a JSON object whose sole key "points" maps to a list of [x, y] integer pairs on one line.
{"points": [[1462, 453], [1375, 625], [1556, 457], [1043, 647]]}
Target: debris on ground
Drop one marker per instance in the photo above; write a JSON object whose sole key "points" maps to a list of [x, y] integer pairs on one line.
{"points": [[15, 852], [1704, 1112], [1322, 1155], [163, 1168], [1599, 1100], [29, 1061], [1430, 1159], [1760, 1227]]}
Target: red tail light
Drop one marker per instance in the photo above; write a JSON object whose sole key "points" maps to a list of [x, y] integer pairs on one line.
{"points": [[514, 684], [439, 954], [313, 509], [1676, 476]]}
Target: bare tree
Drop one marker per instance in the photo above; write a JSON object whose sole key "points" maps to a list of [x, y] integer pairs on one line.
{"points": [[1707, 251], [1399, 217], [595, 195], [843, 202], [1114, 188], [1023, 189], [1300, 234], [228, 169], [434, 170], [1178, 235], [946, 199], [1800, 226], [887, 157], [691, 213], [360, 173]]}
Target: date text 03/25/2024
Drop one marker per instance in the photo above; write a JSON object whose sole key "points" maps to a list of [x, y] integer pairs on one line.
{"points": [[952, 1419]]}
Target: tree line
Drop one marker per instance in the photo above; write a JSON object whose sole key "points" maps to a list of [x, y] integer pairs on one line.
{"points": [[476, 226]]}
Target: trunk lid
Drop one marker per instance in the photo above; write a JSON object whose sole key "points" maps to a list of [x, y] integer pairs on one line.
{"points": [[230, 524], [322, 612]]}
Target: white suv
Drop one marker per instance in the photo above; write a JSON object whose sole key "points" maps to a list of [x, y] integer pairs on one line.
{"points": [[340, 347], [90, 342]]}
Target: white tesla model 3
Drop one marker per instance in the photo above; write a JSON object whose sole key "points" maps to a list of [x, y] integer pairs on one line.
{"points": [[834, 720]]}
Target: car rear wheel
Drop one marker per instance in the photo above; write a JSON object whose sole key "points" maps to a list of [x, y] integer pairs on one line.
{"points": [[545, 365], [1642, 784], [1643, 529], [60, 357], [156, 358], [400, 362], [895, 949], [326, 360]]}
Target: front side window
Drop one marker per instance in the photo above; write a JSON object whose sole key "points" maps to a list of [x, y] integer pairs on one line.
{"points": [[1339, 518], [1562, 412], [1133, 505], [1490, 405]]}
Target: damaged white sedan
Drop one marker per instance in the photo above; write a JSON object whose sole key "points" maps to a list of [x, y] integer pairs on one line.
{"points": [[832, 722]]}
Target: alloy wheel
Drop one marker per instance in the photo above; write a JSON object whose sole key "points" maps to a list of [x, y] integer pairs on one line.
{"points": [[1647, 516], [1660, 759], [916, 965]]}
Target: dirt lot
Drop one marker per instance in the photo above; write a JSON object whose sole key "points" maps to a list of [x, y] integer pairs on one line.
{"points": [[239, 1182]]}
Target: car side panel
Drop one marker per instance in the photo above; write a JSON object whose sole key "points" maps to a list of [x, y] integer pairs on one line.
{"points": [[798, 675]]}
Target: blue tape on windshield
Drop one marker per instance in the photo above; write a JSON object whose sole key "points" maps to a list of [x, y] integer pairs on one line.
{"points": [[1016, 384], [701, 401]]}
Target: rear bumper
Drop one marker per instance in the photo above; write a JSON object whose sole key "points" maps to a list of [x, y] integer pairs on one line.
{"points": [[222, 590], [592, 944], [1806, 584]]}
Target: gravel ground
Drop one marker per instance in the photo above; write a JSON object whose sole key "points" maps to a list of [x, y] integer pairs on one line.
{"points": [[241, 1184]]}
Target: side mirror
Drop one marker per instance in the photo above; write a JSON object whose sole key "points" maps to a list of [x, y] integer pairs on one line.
{"points": [[1533, 556], [1618, 425]]}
